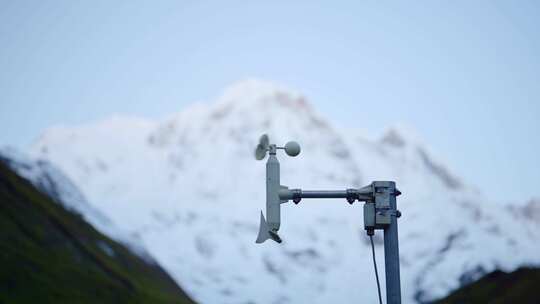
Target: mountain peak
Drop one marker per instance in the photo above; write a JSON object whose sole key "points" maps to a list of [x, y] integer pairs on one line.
{"points": [[244, 111], [254, 93], [253, 88]]}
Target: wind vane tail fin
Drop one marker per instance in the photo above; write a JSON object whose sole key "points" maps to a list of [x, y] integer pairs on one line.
{"points": [[265, 233]]}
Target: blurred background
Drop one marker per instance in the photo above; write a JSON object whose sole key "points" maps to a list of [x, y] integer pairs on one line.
{"points": [[442, 97]]}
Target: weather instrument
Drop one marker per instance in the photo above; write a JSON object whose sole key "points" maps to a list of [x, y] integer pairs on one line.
{"points": [[380, 211]]}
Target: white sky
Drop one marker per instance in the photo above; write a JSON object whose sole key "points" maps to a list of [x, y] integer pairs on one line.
{"points": [[464, 74]]}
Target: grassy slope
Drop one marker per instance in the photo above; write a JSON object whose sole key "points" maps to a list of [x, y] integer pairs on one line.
{"points": [[51, 255], [520, 286]]}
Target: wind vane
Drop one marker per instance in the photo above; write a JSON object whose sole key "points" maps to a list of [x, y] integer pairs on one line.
{"points": [[380, 211]]}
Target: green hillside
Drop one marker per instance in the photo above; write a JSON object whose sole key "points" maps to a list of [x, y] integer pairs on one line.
{"points": [[51, 255], [521, 286]]}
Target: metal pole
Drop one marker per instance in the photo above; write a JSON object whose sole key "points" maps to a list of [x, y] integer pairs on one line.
{"points": [[391, 252]]}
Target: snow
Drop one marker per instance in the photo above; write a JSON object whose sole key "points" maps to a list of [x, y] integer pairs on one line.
{"points": [[189, 189]]}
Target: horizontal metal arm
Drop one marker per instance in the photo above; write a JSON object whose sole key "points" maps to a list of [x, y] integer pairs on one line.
{"points": [[296, 195], [323, 193], [287, 194]]}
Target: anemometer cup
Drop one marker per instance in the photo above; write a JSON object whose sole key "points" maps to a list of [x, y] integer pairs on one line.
{"points": [[292, 148]]}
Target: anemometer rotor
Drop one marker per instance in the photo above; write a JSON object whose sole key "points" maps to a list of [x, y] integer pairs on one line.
{"points": [[380, 210], [292, 148]]}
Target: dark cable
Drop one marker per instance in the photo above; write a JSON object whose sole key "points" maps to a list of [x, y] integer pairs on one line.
{"points": [[376, 272]]}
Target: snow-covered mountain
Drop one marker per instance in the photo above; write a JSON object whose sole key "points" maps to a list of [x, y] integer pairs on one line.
{"points": [[189, 188]]}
